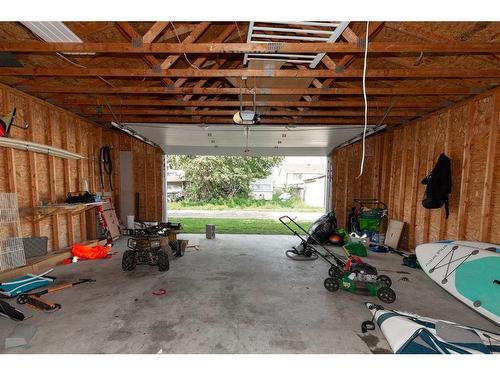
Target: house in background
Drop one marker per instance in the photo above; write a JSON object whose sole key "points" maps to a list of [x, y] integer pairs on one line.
{"points": [[314, 191], [176, 185], [262, 189], [294, 171]]}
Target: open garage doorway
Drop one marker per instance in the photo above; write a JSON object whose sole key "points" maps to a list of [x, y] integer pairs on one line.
{"points": [[243, 178], [244, 194]]}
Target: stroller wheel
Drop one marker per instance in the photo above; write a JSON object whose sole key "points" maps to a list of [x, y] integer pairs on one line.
{"points": [[334, 272], [386, 280], [331, 284], [386, 294]]}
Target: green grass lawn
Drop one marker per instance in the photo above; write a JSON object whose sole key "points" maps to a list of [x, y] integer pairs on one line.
{"points": [[244, 204], [236, 226]]}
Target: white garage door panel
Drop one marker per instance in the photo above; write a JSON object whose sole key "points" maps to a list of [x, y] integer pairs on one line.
{"points": [[262, 140]]}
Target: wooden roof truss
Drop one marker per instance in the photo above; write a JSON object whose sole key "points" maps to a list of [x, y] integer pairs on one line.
{"points": [[192, 72]]}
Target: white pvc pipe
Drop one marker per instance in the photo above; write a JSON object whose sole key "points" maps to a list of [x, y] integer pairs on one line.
{"points": [[36, 147]]}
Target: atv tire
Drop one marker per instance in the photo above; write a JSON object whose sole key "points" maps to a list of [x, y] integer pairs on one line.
{"points": [[174, 245], [166, 248], [163, 262], [129, 260]]}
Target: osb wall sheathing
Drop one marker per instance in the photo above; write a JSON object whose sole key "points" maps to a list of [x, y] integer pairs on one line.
{"points": [[398, 159], [39, 178]]}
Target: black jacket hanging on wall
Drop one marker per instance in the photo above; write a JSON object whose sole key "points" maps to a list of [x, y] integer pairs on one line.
{"points": [[438, 185]]}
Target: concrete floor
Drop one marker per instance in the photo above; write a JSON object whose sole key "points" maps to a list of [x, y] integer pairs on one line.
{"points": [[237, 294]]}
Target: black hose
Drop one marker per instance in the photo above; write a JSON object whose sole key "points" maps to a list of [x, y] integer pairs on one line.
{"points": [[298, 256], [106, 163]]}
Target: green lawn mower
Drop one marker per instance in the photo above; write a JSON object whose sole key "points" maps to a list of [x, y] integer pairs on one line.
{"points": [[349, 282], [360, 278], [351, 274]]}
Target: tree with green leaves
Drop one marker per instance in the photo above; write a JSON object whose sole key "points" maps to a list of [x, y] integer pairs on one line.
{"points": [[215, 177]]}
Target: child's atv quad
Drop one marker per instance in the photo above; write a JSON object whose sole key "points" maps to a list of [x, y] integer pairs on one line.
{"points": [[150, 250]]}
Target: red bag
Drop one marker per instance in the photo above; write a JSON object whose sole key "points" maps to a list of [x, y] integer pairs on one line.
{"points": [[89, 252]]}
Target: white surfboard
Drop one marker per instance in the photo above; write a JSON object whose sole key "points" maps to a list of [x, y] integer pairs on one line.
{"points": [[470, 271], [481, 245], [408, 333]]}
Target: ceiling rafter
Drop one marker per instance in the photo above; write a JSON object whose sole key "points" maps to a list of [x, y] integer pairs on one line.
{"points": [[215, 84], [195, 87], [195, 34], [416, 72], [229, 120], [374, 48], [201, 60], [129, 32], [154, 31], [344, 63], [400, 90], [92, 110], [179, 30], [347, 60], [432, 37], [96, 101]]}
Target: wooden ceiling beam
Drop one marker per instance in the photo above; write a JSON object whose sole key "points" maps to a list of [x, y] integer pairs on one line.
{"points": [[375, 103], [195, 34], [201, 60], [203, 82], [154, 31], [129, 32], [406, 91], [231, 48], [350, 35], [373, 29], [409, 28], [180, 30], [93, 110], [222, 73], [229, 120]]}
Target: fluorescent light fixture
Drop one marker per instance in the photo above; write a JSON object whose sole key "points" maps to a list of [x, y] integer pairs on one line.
{"points": [[36, 147], [359, 137], [134, 134], [55, 32]]}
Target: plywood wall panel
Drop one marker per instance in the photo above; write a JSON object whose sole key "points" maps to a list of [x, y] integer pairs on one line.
{"points": [[38, 177], [438, 128], [469, 134], [479, 146], [4, 169], [458, 126], [494, 231]]}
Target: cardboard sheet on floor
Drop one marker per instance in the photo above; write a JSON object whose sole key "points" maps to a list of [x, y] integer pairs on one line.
{"points": [[393, 234], [111, 219]]}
